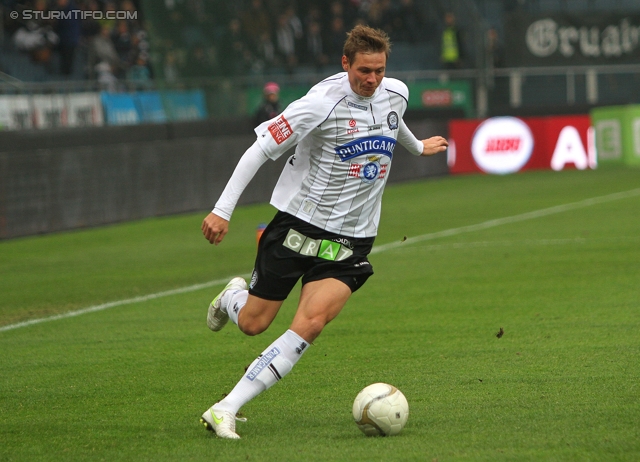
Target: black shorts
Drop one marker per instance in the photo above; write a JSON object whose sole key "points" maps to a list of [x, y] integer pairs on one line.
{"points": [[290, 248]]}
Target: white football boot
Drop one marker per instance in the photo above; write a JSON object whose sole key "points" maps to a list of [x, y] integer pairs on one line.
{"points": [[216, 318], [222, 423]]}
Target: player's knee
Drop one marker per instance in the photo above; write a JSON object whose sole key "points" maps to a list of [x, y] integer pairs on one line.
{"points": [[252, 327], [251, 330]]}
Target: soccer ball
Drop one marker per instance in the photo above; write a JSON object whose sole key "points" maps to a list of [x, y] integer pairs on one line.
{"points": [[380, 410]]}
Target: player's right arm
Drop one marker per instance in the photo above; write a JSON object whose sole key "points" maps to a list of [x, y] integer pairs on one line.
{"points": [[214, 228], [274, 138], [216, 225]]}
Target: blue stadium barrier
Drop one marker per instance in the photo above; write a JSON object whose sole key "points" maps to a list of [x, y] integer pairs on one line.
{"points": [[185, 105], [150, 107], [119, 109]]}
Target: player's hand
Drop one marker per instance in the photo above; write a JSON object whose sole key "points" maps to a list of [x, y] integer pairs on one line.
{"points": [[214, 228], [434, 145]]}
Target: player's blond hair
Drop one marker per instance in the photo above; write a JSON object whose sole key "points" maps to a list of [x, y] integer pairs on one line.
{"points": [[365, 39]]}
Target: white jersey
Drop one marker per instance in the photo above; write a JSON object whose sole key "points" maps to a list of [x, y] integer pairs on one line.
{"points": [[345, 145]]}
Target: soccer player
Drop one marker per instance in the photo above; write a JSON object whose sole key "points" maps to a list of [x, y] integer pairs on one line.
{"points": [[328, 199]]}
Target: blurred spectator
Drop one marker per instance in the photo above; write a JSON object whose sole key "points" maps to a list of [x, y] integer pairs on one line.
{"points": [[106, 78], [265, 54], [451, 44], [68, 29], [336, 10], [255, 22], [335, 42], [36, 37], [286, 43], [139, 47], [134, 25], [380, 16], [170, 68], [119, 42], [295, 23], [363, 7], [494, 48], [139, 72], [130, 7], [314, 51], [275, 7], [101, 50], [89, 26], [313, 15], [105, 22], [199, 63], [270, 106], [235, 56], [407, 21], [122, 40], [265, 35], [349, 11]]}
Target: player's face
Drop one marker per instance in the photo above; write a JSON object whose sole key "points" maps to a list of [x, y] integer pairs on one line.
{"points": [[365, 72]]}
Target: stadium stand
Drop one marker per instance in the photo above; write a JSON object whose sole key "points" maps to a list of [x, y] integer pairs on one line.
{"points": [[225, 49]]}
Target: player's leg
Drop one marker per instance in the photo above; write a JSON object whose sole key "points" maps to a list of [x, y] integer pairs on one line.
{"points": [[217, 315], [320, 302], [327, 285], [275, 274], [257, 314], [251, 314]]}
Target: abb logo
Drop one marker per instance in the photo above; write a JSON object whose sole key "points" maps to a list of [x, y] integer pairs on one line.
{"points": [[280, 130], [500, 145]]}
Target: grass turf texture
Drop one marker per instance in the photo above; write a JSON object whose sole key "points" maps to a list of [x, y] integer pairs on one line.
{"points": [[130, 383]]}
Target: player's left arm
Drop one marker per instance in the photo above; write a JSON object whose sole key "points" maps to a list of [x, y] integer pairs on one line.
{"points": [[434, 145]]}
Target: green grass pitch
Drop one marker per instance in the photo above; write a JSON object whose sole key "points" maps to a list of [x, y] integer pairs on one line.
{"points": [[130, 382]]}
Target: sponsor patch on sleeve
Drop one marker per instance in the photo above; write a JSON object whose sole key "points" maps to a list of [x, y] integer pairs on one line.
{"points": [[280, 130]]}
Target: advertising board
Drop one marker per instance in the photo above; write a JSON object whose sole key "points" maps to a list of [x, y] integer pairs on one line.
{"points": [[50, 111], [502, 145], [16, 112], [564, 39], [84, 110], [618, 133]]}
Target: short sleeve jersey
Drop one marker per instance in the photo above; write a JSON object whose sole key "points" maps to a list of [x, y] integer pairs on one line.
{"points": [[345, 145]]}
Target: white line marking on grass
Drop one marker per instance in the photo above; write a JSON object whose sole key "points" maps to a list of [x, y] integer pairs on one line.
{"points": [[519, 244], [509, 220], [128, 301], [376, 249], [479, 244]]}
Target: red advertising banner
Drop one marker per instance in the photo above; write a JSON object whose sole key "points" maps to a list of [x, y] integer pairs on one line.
{"points": [[502, 145]]}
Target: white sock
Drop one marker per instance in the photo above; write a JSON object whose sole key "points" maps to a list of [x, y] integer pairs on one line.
{"points": [[273, 364], [233, 302]]}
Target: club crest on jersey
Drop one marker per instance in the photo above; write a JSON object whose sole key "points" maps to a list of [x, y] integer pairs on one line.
{"points": [[370, 171], [280, 130], [392, 120], [370, 145]]}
